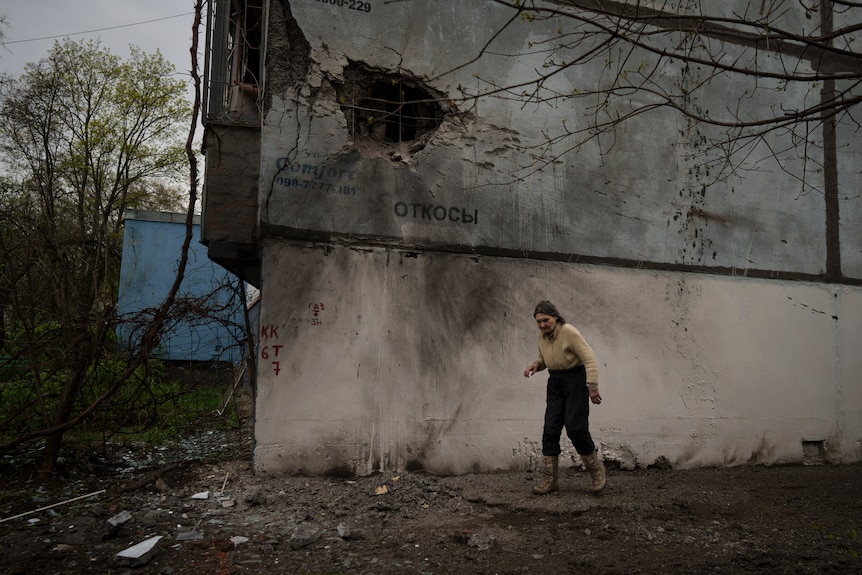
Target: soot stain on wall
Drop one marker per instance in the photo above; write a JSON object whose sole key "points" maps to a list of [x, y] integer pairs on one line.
{"points": [[459, 302]]}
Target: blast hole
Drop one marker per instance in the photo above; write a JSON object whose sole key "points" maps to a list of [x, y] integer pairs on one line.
{"points": [[387, 109]]}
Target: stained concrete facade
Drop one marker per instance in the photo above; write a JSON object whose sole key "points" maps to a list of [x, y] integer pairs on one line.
{"points": [[391, 359], [400, 260]]}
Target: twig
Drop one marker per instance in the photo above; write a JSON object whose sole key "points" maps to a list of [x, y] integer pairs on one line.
{"points": [[225, 482], [53, 505]]}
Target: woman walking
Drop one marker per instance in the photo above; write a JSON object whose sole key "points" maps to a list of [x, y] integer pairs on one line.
{"points": [[573, 383]]}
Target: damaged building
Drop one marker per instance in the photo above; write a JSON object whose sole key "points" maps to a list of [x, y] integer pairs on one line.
{"points": [[404, 180]]}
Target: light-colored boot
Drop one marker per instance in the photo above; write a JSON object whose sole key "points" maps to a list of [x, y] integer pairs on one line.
{"points": [[549, 481], [597, 471]]}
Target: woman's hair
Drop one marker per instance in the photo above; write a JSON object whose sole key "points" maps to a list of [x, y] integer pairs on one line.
{"points": [[548, 308]]}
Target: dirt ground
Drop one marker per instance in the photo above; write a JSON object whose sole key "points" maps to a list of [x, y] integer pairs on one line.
{"points": [[213, 515]]}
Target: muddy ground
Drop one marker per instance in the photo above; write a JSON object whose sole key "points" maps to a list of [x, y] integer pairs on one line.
{"points": [[215, 516]]}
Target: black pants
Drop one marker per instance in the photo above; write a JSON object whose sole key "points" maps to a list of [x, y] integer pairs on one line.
{"points": [[568, 405]]}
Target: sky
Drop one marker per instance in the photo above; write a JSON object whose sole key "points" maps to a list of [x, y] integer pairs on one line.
{"points": [[34, 25]]}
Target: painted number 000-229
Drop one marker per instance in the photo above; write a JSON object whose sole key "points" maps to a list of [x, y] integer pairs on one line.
{"points": [[351, 4]]}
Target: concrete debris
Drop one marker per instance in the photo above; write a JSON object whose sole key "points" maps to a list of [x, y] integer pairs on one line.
{"points": [[621, 454], [304, 534], [201, 495], [139, 554], [343, 531], [481, 541], [120, 518], [329, 525]]}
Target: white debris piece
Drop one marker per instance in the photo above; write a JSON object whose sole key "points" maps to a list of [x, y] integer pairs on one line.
{"points": [[140, 553]]}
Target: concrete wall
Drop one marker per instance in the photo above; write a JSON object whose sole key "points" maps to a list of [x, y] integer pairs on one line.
{"points": [[398, 278], [652, 191], [375, 359]]}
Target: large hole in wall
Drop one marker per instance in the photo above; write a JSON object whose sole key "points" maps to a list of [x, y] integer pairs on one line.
{"points": [[386, 110]]}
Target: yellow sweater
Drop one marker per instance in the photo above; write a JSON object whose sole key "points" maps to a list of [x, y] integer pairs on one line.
{"points": [[565, 348]]}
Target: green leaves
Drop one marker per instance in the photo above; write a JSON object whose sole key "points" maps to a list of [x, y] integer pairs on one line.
{"points": [[82, 121]]}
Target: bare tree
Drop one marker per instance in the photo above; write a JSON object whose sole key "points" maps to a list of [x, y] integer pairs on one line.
{"points": [[788, 73]]}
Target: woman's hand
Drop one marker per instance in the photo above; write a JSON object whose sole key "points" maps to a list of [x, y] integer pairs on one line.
{"points": [[595, 396]]}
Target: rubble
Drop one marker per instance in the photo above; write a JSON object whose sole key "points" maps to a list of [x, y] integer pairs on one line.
{"points": [[745, 520]]}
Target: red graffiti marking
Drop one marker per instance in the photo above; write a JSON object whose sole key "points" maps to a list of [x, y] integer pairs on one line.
{"points": [[271, 350], [316, 309], [269, 332], [264, 351]]}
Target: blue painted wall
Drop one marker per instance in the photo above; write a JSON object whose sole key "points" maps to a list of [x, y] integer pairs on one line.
{"points": [[152, 242]]}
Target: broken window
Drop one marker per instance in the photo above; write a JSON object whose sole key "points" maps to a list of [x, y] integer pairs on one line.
{"points": [[234, 50], [385, 108]]}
